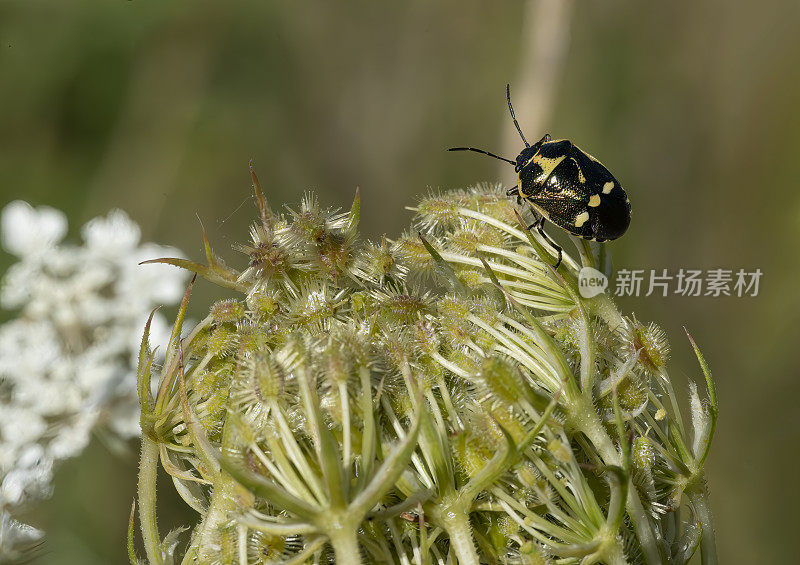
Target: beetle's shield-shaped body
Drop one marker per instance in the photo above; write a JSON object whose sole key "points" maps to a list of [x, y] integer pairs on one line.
{"points": [[575, 191]]}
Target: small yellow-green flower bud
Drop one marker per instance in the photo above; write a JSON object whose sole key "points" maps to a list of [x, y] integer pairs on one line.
{"points": [[227, 311], [632, 395], [252, 337], [216, 375], [511, 423], [559, 450], [411, 251], [471, 278], [502, 379], [437, 212], [222, 341], [403, 308], [642, 453], [531, 554], [507, 525], [502, 209], [263, 303], [528, 474], [358, 301], [244, 432], [470, 454], [649, 341], [210, 414], [268, 377]]}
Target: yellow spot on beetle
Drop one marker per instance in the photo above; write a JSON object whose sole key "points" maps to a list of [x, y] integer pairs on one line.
{"points": [[594, 200], [581, 218], [608, 187], [547, 164]]}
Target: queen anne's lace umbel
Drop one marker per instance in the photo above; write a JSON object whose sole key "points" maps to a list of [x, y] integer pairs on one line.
{"points": [[446, 397], [67, 361]]}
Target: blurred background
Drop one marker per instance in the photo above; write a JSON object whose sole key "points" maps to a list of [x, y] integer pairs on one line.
{"points": [[157, 107]]}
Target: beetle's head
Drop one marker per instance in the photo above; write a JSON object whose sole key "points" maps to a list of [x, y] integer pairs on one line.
{"points": [[529, 152], [525, 156]]}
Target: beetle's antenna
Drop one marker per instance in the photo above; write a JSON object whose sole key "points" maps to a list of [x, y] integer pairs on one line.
{"points": [[513, 117], [483, 152]]}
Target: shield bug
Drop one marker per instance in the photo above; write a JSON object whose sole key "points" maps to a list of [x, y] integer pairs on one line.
{"points": [[567, 186]]}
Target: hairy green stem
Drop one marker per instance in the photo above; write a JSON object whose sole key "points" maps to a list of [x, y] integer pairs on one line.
{"points": [[345, 545], [708, 543], [614, 554], [148, 470], [603, 307], [456, 523], [218, 514], [587, 421]]}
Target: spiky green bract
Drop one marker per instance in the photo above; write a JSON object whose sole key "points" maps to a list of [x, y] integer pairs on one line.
{"points": [[444, 397]]}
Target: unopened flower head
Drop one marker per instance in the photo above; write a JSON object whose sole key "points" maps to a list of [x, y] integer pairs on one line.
{"points": [[448, 390]]}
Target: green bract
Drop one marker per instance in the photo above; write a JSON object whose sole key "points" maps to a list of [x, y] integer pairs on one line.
{"points": [[444, 397]]}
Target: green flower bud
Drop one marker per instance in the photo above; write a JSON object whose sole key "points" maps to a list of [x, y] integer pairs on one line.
{"points": [[471, 453], [223, 341], [227, 311], [253, 338], [532, 554], [642, 453], [437, 212], [264, 303], [267, 375], [560, 450], [410, 250], [502, 379], [651, 343], [471, 278]]}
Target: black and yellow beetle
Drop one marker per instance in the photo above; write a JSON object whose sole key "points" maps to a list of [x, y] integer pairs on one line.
{"points": [[568, 187]]}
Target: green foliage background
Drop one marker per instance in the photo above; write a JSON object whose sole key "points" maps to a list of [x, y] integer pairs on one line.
{"points": [[156, 107]]}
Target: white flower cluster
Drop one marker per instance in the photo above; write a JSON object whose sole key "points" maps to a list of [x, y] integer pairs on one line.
{"points": [[68, 360]]}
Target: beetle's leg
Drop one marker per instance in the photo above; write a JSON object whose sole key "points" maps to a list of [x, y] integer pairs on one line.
{"points": [[539, 225], [554, 244], [514, 191], [539, 219]]}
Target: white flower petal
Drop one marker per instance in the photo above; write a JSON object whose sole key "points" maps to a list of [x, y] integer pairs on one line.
{"points": [[17, 284], [27, 349], [68, 363], [15, 534], [28, 231], [23, 427], [72, 439], [113, 235]]}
